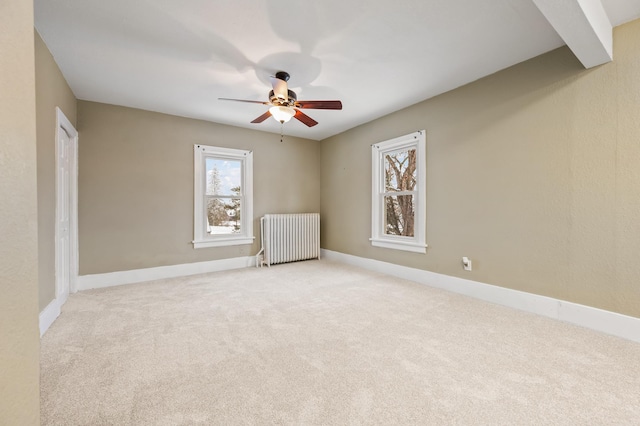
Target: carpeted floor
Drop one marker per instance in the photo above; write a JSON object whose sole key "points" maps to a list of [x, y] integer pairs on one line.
{"points": [[321, 343]]}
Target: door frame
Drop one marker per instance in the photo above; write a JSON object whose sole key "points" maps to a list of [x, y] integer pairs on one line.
{"points": [[62, 122]]}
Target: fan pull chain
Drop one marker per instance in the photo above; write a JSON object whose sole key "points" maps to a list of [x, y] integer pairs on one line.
{"points": [[281, 131]]}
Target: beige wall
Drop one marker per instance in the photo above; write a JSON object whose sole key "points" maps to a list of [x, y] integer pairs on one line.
{"points": [[51, 91], [19, 343], [533, 173], [136, 185]]}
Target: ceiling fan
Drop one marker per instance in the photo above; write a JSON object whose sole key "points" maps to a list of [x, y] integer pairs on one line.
{"points": [[285, 104]]}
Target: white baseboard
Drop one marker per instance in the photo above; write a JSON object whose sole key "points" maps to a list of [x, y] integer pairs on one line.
{"points": [[585, 316], [48, 316], [110, 279]]}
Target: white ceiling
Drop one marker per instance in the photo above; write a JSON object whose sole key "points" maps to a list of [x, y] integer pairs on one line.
{"points": [[377, 56]]}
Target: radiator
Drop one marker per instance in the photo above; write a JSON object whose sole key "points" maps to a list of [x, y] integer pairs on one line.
{"points": [[288, 238]]}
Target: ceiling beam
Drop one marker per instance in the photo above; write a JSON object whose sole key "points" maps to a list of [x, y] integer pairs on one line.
{"points": [[584, 27]]}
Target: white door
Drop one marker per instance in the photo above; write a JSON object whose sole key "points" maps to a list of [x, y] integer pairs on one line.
{"points": [[63, 209]]}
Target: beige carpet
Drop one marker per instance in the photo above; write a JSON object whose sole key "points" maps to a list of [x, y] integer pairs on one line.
{"points": [[321, 343]]}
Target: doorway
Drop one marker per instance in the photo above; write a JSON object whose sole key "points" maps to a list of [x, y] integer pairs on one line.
{"points": [[66, 233]]}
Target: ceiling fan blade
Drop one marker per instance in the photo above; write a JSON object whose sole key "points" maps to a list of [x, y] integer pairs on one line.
{"points": [[301, 116], [319, 104], [244, 100], [280, 88], [262, 117]]}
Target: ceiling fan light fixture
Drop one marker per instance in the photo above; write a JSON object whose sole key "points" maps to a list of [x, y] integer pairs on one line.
{"points": [[282, 114]]}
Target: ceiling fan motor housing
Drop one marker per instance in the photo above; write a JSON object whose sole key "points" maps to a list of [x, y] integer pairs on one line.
{"points": [[277, 101]]}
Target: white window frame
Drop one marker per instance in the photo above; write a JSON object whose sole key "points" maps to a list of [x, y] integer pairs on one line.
{"points": [[379, 238], [201, 239]]}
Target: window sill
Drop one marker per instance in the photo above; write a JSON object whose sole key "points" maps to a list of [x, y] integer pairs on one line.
{"points": [[222, 242], [399, 245]]}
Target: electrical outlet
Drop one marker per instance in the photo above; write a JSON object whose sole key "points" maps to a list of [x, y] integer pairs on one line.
{"points": [[466, 263]]}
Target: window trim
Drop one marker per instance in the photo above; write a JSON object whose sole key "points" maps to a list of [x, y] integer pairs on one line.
{"points": [[417, 243], [200, 237]]}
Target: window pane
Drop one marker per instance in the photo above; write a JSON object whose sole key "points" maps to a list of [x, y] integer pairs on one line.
{"points": [[223, 176], [400, 172], [399, 215], [223, 216]]}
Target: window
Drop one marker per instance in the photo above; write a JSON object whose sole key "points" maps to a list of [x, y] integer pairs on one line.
{"points": [[398, 213], [223, 197]]}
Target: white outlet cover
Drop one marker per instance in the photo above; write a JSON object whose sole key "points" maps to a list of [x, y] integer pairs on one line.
{"points": [[466, 263]]}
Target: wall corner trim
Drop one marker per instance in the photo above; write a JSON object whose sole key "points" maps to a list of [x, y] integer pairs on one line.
{"points": [[111, 279], [607, 322], [48, 315]]}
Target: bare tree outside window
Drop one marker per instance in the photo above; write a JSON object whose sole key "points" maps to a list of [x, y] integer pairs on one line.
{"points": [[223, 196], [233, 209], [400, 182], [216, 212]]}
